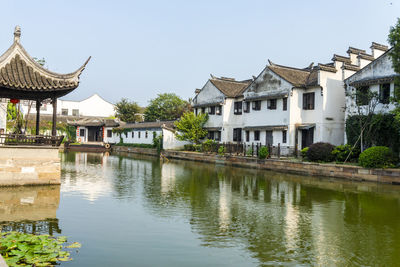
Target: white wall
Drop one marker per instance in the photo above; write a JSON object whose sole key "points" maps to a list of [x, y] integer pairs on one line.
{"points": [[170, 141], [94, 106], [3, 116]]}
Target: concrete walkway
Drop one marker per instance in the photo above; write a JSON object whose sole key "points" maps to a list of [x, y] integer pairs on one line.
{"points": [[3, 262]]}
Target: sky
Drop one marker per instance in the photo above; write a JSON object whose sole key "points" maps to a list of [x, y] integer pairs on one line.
{"points": [[143, 48]]}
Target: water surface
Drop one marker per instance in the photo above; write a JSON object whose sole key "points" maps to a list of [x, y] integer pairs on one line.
{"points": [[138, 211]]}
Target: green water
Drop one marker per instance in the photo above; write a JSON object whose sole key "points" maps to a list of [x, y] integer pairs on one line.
{"points": [[137, 211]]}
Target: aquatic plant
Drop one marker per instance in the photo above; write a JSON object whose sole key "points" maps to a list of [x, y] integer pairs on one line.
{"points": [[19, 249]]}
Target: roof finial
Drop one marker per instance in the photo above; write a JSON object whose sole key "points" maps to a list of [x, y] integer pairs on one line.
{"points": [[17, 34]]}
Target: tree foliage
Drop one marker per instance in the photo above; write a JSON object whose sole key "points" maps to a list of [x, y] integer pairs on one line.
{"points": [[190, 127], [394, 41], [166, 106], [127, 111]]}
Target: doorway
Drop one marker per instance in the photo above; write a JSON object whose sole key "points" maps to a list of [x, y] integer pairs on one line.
{"points": [[307, 137], [95, 134], [269, 139]]}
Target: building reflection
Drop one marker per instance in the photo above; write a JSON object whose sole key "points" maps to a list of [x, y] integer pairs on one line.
{"points": [[30, 209]]}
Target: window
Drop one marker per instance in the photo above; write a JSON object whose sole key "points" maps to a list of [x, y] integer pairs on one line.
{"points": [[272, 104], [246, 108], [211, 110], [217, 136], [109, 133], [247, 136], [256, 135], [146, 134], [284, 103], [210, 135], [64, 112], [237, 134], [218, 110], [133, 134], [195, 111], [237, 108], [203, 110], [139, 134], [257, 105], [126, 135], [384, 93], [308, 101], [75, 112], [284, 136], [82, 132], [362, 95]]}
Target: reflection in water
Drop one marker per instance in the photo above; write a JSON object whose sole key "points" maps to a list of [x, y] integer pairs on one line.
{"points": [[250, 216], [30, 209]]}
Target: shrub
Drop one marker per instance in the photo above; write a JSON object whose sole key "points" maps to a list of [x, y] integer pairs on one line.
{"points": [[249, 152], [304, 152], [377, 157], [189, 147], [198, 148], [263, 152], [320, 152], [341, 152], [221, 150], [208, 145]]}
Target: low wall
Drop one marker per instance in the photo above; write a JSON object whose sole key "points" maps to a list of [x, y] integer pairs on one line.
{"points": [[29, 166], [306, 168], [136, 150]]}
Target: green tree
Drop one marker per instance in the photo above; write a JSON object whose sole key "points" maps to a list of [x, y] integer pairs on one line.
{"points": [[166, 106], [394, 41], [127, 111], [190, 127]]}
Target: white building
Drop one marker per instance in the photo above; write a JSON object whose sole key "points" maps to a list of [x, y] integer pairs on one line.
{"points": [[378, 77], [93, 106], [218, 97], [97, 130], [286, 106], [3, 117]]}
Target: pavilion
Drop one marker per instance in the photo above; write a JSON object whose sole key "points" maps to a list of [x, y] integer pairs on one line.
{"points": [[22, 78]]}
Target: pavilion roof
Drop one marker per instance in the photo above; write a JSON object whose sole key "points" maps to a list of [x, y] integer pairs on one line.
{"points": [[22, 77]]}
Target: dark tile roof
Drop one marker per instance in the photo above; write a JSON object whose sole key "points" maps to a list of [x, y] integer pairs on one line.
{"points": [[341, 59], [93, 121], [379, 46], [229, 86], [147, 125], [350, 67], [355, 50], [298, 77], [19, 71], [365, 56], [327, 67]]}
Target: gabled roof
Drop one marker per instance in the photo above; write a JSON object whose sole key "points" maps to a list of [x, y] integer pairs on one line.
{"points": [[20, 73], [297, 77], [229, 86], [93, 121], [147, 125]]}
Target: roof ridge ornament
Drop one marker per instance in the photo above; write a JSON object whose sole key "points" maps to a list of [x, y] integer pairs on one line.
{"points": [[17, 34]]}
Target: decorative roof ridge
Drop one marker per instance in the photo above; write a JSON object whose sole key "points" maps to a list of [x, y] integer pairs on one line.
{"points": [[326, 67], [20, 50], [287, 67], [354, 50], [366, 56], [229, 81], [341, 58], [350, 67], [379, 46]]}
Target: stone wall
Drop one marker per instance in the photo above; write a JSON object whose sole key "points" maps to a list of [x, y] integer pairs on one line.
{"points": [[29, 166], [305, 168]]}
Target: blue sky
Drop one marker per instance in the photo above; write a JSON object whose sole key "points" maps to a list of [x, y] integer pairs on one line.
{"points": [[142, 48]]}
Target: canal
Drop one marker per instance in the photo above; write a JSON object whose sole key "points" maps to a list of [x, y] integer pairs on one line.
{"points": [[138, 211]]}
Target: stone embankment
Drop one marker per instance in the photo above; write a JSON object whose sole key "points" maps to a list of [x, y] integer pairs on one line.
{"points": [[348, 172]]}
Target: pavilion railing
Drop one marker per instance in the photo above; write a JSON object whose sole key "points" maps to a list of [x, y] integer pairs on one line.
{"points": [[30, 140]]}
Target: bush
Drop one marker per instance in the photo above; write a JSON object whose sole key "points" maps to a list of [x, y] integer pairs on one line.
{"points": [[320, 152], [209, 145], [304, 152], [377, 157], [198, 148], [221, 150], [249, 152], [341, 152], [263, 152], [189, 147]]}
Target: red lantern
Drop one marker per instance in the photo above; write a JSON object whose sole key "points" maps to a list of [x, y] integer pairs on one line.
{"points": [[14, 101]]}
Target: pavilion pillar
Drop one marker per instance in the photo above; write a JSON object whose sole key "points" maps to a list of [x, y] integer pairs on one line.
{"points": [[37, 117], [54, 124]]}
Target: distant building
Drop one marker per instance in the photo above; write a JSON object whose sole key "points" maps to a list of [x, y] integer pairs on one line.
{"points": [[93, 106]]}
